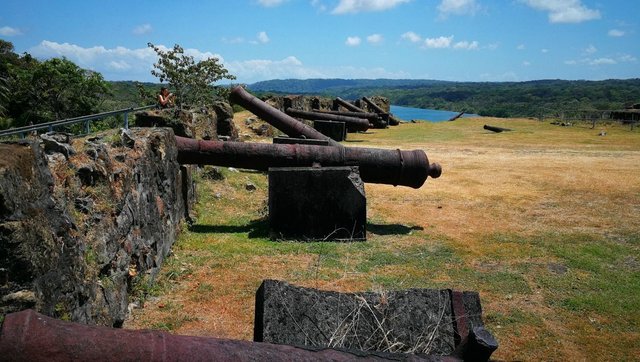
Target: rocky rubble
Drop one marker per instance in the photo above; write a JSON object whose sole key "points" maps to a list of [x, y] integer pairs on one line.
{"points": [[84, 223]]}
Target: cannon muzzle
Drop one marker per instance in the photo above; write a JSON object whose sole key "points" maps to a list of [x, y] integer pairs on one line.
{"points": [[285, 123], [392, 120], [383, 166]]}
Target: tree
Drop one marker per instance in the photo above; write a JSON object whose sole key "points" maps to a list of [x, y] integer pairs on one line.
{"points": [[190, 80], [54, 89]]}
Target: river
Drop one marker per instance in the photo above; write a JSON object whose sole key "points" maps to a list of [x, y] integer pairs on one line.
{"points": [[433, 115]]}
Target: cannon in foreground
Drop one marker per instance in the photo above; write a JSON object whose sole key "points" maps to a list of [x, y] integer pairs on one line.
{"points": [[392, 120], [353, 124], [30, 336], [285, 123], [391, 167]]}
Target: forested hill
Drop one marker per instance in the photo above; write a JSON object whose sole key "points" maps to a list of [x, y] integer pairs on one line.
{"points": [[501, 99]]}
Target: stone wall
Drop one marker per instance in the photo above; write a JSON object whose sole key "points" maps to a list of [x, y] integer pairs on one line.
{"points": [[85, 222]]}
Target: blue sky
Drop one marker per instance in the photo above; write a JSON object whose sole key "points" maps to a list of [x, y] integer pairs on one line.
{"points": [[461, 40]]}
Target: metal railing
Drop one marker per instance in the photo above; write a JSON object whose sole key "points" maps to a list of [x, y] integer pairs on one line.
{"points": [[63, 122]]}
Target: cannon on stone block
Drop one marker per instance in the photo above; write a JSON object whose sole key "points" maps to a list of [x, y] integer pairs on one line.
{"points": [[285, 123], [381, 122], [392, 167], [392, 120]]}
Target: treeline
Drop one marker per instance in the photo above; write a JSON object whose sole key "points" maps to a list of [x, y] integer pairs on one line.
{"points": [[504, 99]]}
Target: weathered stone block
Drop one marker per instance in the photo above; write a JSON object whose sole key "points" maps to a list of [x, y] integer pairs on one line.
{"points": [[317, 203], [336, 130], [414, 321]]}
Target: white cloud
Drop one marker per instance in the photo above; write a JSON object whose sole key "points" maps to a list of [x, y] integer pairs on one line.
{"points": [[521, 47], [570, 62], [375, 39], [626, 58], [439, 42], [357, 6], [353, 41], [616, 33], [466, 45], [602, 61], [9, 31], [544, 51], [142, 29], [526, 63], [412, 37], [270, 3], [263, 37], [236, 40], [319, 5], [117, 63], [591, 49], [458, 7], [564, 11]]}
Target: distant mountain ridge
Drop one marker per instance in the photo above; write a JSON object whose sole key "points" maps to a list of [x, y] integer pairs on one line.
{"points": [[335, 85]]}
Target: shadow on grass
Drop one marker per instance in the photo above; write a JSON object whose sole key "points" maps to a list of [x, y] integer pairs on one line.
{"points": [[391, 229], [255, 229]]}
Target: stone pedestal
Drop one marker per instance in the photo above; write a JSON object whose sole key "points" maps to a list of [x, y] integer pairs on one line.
{"points": [[317, 203], [335, 130]]}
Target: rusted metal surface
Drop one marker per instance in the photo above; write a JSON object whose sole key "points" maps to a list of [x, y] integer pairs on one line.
{"points": [[285, 123], [352, 123], [366, 115], [392, 167], [495, 129], [392, 120], [381, 122], [30, 336]]}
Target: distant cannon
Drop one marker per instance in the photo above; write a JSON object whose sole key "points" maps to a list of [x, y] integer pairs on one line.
{"points": [[373, 117], [353, 124], [285, 123], [384, 166], [495, 129], [392, 120], [383, 118]]}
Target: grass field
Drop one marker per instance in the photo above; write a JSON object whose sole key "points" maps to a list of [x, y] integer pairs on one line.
{"points": [[543, 221]]}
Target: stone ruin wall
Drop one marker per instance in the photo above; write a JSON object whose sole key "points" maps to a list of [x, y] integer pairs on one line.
{"points": [[85, 223]]}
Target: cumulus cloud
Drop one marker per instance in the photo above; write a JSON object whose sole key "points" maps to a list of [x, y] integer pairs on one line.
{"points": [[458, 7], [591, 49], [602, 61], [466, 45], [626, 58], [142, 29], [544, 51], [9, 31], [353, 41], [439, 42], [564, 11], [526, 63], [117, 63], [412, 37], [270, 3], [263, 37], [358, 6], [521, 47], [616, 33], [375, 39]]}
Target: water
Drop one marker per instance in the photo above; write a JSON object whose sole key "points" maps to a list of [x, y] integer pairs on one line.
{"points": [[433, 115]]}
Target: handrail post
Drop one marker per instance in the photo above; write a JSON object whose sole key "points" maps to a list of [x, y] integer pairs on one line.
{"points": [[86, 126], [126, 120], [50, 128]]}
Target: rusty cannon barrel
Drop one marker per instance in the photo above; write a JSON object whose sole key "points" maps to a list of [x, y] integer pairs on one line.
{"points": [[30, 336], [353, 124], [366, 115], [383, 118], [285, 123], [383, 166], [392, 120]]}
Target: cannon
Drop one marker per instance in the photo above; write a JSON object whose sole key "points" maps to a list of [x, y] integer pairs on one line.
{"points": [[392, 120], [384, 166], [383, 118], [285, 123], [30, 336], [372, 117], [353, 124]]}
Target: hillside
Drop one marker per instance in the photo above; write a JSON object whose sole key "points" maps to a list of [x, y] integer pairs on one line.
{"points": [[498, 99]]}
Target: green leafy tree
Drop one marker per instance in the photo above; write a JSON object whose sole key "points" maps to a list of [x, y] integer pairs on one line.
{"points": [[191, 81], [54, 89]]}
